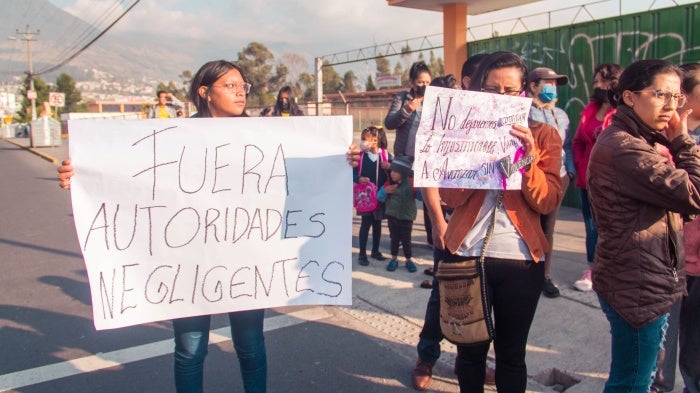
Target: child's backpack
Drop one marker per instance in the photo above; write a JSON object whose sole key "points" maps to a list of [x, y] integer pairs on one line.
{"points": [[364, 196]]}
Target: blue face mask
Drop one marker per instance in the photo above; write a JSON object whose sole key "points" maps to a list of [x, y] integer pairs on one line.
{"points": [[548, 94]]}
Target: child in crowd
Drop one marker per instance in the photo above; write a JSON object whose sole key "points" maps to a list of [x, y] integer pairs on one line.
{"points": [[373, 166], [400, 211]]}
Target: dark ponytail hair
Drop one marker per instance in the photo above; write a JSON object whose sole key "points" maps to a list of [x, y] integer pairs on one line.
{"points": [[494, 61], [206, 76], [417, 68], [638, 76]]}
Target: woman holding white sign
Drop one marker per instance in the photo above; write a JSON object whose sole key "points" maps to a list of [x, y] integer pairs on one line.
{"points": [[219, 89], [513, 272]]}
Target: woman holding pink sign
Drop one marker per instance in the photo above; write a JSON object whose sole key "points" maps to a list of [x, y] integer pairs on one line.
{"points": [[512, 270]]}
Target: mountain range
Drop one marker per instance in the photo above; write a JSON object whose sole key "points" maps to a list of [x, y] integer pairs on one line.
{"points": [[122, 57]]}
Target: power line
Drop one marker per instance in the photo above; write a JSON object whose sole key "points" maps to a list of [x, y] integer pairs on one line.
{"points": [[81, 50]]}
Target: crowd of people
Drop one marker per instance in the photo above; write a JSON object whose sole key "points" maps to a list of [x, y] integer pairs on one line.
{"points": [[635, 161]]}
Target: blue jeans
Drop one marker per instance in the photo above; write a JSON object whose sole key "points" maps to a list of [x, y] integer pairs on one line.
{"points": [[591, 231], [634, 352], [431, 335], [192, 340]]}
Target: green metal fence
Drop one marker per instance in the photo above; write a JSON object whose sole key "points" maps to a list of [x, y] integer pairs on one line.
{"points": [[671, 33]]}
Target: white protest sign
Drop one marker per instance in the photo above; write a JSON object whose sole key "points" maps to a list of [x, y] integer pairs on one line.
{"points": [[463, 134], [184, 217]]}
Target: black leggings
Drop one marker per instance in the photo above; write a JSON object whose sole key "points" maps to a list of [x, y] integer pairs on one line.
{"points": [[514, 289], [376, 225], [400, 231]]}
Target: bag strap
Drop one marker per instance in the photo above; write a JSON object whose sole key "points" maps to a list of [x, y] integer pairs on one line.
{"points": [[489, 231], [482, 260]]}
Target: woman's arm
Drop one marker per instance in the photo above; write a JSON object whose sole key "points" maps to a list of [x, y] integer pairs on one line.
{"points": [[541, 185], [397, 114]]}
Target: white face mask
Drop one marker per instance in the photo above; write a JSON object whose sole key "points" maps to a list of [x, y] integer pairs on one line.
{"points": [[366, 145]]}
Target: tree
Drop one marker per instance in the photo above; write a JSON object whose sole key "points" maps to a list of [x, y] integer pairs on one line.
{"points": [[370, 86], [24, 115], [66, 84], [332, 82], [436, 65], [186, 77], [349, 80], [383, 65], [258, 64], [305, 83], [295, 66]]}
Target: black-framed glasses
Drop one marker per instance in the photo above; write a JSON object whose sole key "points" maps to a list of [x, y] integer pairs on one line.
{"points": [[507, 92], [234, 87], [665, 96]]}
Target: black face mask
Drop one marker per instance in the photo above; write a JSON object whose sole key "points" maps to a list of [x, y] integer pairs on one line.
{"points": [[284, 104], [420, 91], [600, 95]]}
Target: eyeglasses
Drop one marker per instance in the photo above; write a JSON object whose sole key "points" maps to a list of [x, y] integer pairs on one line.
{"points": [[508, 92], [234, 87], [666, 96]]}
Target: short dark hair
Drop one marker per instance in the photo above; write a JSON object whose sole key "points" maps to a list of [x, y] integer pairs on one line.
{"points": [[472, 63], [449, 81], [689, 82], [639, 75], [494, 61], [206, 76], [161, 92]]}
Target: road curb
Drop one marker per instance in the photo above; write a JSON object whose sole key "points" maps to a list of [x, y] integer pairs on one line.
{"points": [[32, 150]]}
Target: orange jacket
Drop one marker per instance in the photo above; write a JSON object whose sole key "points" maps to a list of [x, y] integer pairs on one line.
{"points": [[540, 193]]}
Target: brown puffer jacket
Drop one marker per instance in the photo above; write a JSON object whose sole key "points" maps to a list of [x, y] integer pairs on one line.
{"points": [[636, 195]]}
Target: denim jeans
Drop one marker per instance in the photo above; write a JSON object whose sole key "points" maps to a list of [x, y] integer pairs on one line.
{"points": [[689, 362], [430, 336], [665, 378], [514, 289], [591, 231], [192, 340], [634, 352]]}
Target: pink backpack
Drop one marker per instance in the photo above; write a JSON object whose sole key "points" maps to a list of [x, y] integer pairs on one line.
{"points": [[364, 196]]}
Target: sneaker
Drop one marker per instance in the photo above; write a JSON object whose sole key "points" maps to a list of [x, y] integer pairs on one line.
{"points": [[362, 260], [392, 265], [549, 289], [378, 256], [422, 375], [584, 284], [410, 266]]}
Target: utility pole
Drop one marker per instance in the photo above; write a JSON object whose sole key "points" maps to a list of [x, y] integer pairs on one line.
{"points": [[29, 37]]}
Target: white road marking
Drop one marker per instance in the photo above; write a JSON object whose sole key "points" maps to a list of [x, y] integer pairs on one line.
{"points": [[101, 361]]}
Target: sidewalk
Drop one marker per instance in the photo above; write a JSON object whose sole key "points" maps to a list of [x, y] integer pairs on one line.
{"points": [[569, 339]]}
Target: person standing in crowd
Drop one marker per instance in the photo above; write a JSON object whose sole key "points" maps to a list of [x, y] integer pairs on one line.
{"points": [[167, 107], [513, 272], [542, 88], [689, 325], [286, 104], [400, 211], [637, 198], [219, 89], [430, 336], [405, 110], [589, 127], [373, 166]]}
